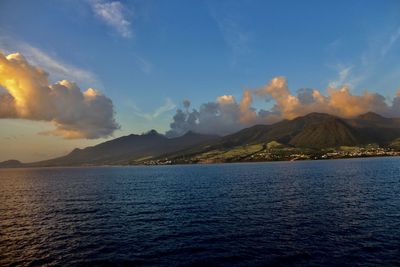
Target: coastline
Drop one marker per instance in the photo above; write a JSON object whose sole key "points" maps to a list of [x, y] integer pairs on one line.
{"points": [[193, 163]]}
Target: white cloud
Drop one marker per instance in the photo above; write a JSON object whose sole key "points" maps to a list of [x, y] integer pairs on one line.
{"points": [[144, 64], [392, 40], [346, 77], [236, 38], [167, 106], [113, 13], [352, 75], [57, 69], [343, 74], [370, 68]]}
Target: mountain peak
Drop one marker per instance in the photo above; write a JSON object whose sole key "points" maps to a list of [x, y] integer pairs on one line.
{"points": [[318, 115], [152, 132], [370, 116], [12, 163], [315, 117], [76, 150]]}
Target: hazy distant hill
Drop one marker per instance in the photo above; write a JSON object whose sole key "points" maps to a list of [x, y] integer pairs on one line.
{"points": [[12, 163], [314, 131], [126, 148]]}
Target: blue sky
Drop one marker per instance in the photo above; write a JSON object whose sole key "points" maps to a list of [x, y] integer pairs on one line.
{"points": [[150, 55]]}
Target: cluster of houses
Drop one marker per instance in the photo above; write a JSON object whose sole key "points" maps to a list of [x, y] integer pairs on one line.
{"points": [[361, 152], [283, 154], [332, 154]]}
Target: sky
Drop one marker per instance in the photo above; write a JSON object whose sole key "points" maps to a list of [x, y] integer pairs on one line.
{"points": [[208, 66]]}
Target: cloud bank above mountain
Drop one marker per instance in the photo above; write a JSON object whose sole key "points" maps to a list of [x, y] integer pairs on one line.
{"points": [[25, 93], [226, 115]]}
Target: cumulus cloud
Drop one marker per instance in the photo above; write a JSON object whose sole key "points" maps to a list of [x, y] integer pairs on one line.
{"points": [[57, 69], [114, 14], [27, 94], [223, 116], [226, 115]]}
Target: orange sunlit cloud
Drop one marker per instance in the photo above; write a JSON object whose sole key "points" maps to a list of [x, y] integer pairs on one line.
{"points": [[75, 114], [226, 115]]}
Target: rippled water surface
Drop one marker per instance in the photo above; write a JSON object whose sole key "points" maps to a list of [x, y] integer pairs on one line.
{"points": [[340, 212]]}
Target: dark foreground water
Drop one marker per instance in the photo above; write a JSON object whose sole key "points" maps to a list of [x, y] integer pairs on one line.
{"points": [[327, 213]]}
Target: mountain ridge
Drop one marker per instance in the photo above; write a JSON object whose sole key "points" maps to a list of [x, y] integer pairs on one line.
{"points": [[122, 149], [312, 131]]}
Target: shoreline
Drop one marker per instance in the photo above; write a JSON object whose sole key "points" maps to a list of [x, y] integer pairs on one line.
{"points": [[186, 164]]}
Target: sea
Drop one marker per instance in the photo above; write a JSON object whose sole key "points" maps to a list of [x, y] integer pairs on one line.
{"points": [[306, 213]]}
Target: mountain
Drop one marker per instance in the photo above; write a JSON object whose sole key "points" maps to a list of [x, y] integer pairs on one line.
{"points": [[12, 163], [313, 131], [127, 148], [329, 132]]}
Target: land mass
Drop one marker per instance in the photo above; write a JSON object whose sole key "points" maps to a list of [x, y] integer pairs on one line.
{"points": [[314, 136]]}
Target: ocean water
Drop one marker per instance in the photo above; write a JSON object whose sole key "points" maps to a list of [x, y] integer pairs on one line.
{"points": [[311, 213]]}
